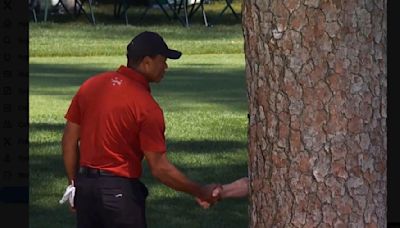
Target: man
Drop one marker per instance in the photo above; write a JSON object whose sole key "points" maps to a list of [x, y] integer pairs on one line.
{"points": [[113, 122]]}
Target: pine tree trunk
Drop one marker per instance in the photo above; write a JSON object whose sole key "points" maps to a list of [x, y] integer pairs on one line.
{"points": [[316, 77]]}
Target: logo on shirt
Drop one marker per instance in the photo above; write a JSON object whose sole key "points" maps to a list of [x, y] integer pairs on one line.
{"points": [[116, 81]]}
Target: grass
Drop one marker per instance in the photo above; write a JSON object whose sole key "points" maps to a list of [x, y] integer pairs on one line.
{"points": [[204, 100], [110, 37], [51, 39]]}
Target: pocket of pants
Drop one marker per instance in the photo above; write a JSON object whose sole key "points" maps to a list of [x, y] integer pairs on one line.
{"points": [[139, 191], [112, 198]]}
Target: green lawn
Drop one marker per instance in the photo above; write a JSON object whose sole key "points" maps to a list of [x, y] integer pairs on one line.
{"points": [[204, 100]]}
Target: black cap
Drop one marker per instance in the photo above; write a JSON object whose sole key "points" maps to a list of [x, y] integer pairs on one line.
{"points": [[149, 44]]}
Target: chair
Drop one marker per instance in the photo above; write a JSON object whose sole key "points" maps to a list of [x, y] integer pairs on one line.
{"points": [[32, 4], [189, 7], [125, 4], [228, 4], [78, 9]]}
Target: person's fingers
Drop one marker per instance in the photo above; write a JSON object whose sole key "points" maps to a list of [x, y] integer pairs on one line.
{"points": [[205, 205], [199, 201], [217, 191], [202, 203], [208, 193], [214, 193]]}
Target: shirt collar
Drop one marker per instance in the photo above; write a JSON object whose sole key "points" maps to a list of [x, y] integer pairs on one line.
{"points": [[136, 76]]}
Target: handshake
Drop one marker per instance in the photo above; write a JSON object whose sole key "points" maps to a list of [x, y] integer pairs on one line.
{"points": [[215, 192]]}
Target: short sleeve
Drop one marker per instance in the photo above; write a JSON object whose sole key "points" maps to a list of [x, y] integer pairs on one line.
{"points": [[151, 134], [74, 112]]}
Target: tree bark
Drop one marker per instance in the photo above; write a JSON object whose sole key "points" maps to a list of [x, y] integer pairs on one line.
{"points": [[316, 80]]}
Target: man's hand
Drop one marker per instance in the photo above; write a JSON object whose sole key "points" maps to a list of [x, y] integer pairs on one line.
{"points": [[236, 189], [212, 198], [69, 196]]}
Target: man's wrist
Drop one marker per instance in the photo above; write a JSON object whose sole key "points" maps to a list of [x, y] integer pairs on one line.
{"points": [[197, 190]]}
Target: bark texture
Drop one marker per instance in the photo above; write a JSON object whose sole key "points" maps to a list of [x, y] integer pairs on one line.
{"points": [[316, 77]]}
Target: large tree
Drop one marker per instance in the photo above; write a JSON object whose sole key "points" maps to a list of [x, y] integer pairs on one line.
{"points": [[317, 83]]}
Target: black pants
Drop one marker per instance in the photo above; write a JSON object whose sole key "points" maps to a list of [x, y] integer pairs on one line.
{"points": [[109, 202]]}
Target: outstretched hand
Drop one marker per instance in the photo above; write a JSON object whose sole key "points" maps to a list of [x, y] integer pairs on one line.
{"points": [[215, 195], [236, 189]]}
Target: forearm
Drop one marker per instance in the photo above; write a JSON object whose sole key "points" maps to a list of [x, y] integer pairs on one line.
{"points": [[71, 161], [70, 149], [169, 175], [236, 189], [175, 179]]}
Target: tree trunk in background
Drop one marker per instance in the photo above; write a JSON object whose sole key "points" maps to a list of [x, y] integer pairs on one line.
{"points": [[316, 79]]}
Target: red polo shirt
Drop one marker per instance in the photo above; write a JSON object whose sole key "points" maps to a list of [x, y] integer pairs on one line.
{"points": [[119, 119]]}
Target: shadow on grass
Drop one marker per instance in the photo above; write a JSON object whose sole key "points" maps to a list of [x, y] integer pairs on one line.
{"points": [[52, 163], [48, 75], [220, 86], [43, 159], [195, 146], [43, 165], [205, 146], [173, 212], [162, 210], [55, 127], [182, 211]]}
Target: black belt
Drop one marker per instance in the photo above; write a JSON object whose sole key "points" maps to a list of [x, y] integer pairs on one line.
{"points": [[96, 172]]}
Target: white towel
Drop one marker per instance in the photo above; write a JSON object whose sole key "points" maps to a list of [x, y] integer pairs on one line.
{"points": [[69, 195]]}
